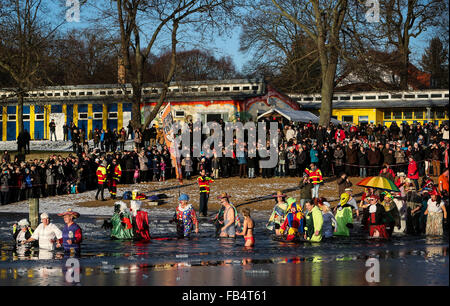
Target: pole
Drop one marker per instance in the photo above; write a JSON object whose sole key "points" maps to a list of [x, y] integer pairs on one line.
{"points": [[34, 212]]}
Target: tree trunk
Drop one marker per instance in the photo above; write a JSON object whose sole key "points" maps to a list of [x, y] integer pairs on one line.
{"points": [[404, 70], [326, 106], [19, 112], [173, 64]]}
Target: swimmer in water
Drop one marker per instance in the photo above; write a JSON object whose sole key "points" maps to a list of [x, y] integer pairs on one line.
{"points": [[248, 227]]}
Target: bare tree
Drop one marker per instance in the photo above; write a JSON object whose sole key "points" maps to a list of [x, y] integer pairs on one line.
{"points": [[322, 22], [137, 42], [403, 20]]}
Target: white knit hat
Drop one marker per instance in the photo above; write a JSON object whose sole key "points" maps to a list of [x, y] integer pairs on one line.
{"points": [[44, 216]]}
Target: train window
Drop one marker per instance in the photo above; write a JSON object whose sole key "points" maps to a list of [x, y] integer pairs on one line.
{"points": [[50, 94], [357, 98], [410, 96], [39, 117], [81, 93], [255, 87], [397, 115], [57, 94], [422, 96], [82, 116], [176, 90], [226, 89], [335, 98], [41, 94], [11, 117], [194, 89], [203, 89], [246, 88], [65, 94], [318, 98], [26, 117], [396, 96], [387, 115], [436, 95], [418, 114], [308, 99], [217, 88], [236, 88], [363, 119], [112, 115], [439, 114], [98, 115], [110, 92], [73, 93], [179, 114], [128, 92], [383, 97], [102, 92], [118, 92], [407, 115], [345, 98], [185, 89], [347, 118]]}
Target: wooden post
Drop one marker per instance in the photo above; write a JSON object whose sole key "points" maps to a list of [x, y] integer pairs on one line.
{"points": [[34, 212]]}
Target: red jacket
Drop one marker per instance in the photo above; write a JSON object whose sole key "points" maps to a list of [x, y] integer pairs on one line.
{"points": [[203, 183], [413, 172], [315, 176], [339, 135], [142, 230]]}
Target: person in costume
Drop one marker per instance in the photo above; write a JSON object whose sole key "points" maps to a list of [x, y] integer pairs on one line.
{"points": [[392, 213], [293, 225], [435, 212], [352, 201], [121, 227], [141, 228], [22, 232], [414, 208], [248, 227], [401, 207], [72, 235], [344, 216], [185, 217], [278, 214], [330, 224], [46, 233], [313, 223], [375, 216]]}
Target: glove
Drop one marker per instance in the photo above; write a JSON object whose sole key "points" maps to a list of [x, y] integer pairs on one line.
{"points": [[349, 225]]}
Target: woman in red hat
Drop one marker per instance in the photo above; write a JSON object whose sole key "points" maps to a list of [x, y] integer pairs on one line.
{"points": [[435, 211], [375, 217], [71, 234]]}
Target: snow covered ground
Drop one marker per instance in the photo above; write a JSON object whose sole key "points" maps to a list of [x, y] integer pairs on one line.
{"points": [[49, 146]]}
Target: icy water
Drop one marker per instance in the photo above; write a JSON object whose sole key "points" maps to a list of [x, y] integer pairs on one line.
{"points": [[206, 260]]}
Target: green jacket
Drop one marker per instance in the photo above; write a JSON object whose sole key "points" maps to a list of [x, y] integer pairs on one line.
{"points": [[313, 223], [343, 216], [119, 230]]}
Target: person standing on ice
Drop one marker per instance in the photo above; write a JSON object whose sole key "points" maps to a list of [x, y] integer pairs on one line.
{"points": [[203, 184], [46, 233], [101, 179]]}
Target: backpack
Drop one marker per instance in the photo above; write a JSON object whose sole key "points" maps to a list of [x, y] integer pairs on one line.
{"points": [[127, 195]]}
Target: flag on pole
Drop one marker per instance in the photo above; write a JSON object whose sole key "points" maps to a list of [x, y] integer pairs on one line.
{"points": [[169, 137]]}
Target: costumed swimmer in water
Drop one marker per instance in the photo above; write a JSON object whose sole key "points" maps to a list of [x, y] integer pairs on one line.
{"points": [[292, 226], [344, 216], [185, 217], [278, 214], [139, 221], [120, 223]]}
